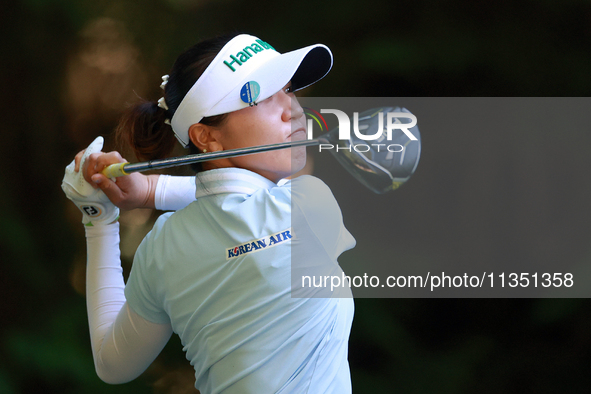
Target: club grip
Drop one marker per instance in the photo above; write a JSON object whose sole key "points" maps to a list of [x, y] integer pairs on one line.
{"points": [[114, 170]]}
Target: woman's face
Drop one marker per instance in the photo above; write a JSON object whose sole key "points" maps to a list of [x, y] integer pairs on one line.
{"points": [[279, 118]]}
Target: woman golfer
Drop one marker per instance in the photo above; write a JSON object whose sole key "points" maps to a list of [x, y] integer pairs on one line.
{"points": [[219, 271]]}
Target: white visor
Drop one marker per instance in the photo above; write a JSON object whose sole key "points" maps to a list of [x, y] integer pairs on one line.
{"points": [[247, 70]]}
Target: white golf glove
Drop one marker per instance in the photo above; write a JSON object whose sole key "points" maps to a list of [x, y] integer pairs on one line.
{"points": [[96, 207]]}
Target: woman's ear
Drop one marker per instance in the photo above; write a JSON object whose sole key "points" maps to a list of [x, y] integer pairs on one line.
{"points": [[204, 138]]}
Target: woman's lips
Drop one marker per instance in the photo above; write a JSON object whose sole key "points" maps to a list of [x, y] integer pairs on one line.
{"points": [[298, 135]]}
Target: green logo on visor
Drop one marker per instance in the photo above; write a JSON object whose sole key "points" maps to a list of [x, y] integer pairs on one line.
{"points": [[246, 53]]}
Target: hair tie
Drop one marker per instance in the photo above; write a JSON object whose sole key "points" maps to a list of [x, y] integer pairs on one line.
{"points": [[164, 82], [162, 103]]}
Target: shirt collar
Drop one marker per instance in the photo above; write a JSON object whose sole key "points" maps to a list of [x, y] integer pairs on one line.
{"points": [[230, 180]]}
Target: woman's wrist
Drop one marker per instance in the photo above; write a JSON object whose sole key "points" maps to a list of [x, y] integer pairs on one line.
{"points": [[149, 202]]}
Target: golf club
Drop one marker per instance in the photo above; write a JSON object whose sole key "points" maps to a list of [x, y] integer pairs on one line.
{"points": [[120, 169], [381, 170]]}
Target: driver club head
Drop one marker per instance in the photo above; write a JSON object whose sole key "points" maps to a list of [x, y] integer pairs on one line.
{"points": [[382, 164]]}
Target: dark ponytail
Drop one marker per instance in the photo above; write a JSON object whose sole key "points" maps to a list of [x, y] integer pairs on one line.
{"points": [[143, 129], [143, 126]]}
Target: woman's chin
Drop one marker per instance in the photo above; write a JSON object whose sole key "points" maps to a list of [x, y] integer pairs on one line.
{"points": [[298, 159]]}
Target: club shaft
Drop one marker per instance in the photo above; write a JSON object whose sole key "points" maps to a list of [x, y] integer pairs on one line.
{"points": [[119, 169]]}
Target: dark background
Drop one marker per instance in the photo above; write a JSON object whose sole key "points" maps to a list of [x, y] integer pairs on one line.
{"points": [[70, 67]]}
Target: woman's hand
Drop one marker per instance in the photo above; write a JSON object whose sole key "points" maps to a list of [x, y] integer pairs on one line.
{"points": [[126, 192]]}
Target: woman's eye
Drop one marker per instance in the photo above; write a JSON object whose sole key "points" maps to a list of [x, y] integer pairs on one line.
{"points": [[288, 89]]}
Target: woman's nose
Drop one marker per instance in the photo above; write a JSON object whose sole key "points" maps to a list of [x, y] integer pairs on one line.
{"points": [[293, 110]]}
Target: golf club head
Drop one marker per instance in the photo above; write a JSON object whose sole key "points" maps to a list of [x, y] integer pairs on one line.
{"points": [[382, 164]]}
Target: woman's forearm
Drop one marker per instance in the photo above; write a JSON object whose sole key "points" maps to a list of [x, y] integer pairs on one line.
{"points": [[123, 343]]}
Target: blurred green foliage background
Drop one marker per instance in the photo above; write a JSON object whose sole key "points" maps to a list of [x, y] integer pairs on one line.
{"points": [[70, 67]]}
